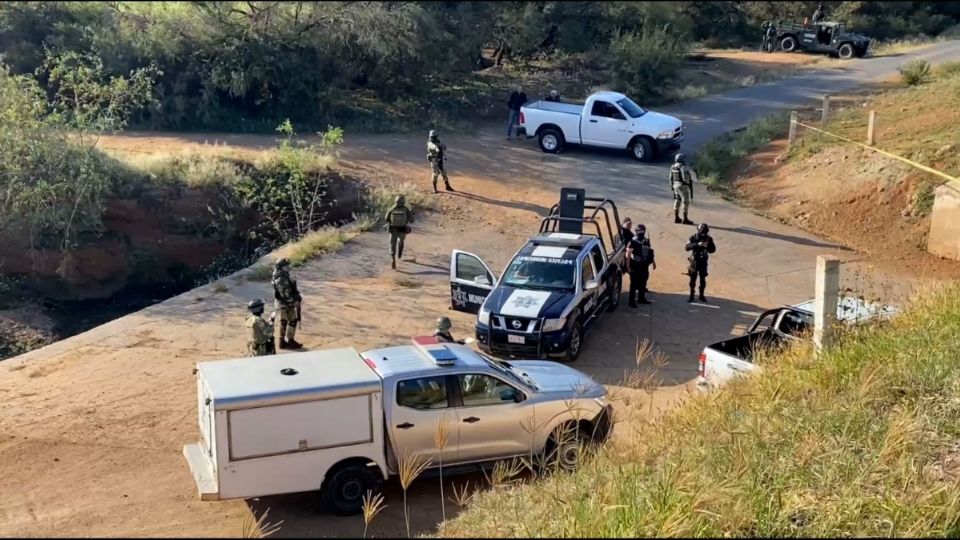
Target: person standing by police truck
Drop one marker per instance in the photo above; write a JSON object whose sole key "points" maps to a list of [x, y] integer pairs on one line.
{"points": [[681, 181], [639, 258], [700, 247], [398, 221]]}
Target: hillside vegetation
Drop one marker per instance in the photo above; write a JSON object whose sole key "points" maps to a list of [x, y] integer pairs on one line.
{"points": [[246, 65], [863, 441]]}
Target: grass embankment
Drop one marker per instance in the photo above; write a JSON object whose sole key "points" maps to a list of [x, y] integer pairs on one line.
{"points": [[915, 121], [864, 441]]}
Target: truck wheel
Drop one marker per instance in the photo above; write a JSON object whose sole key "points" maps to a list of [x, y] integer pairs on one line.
{"points": [[642, 150], [551, 141], [788, 44], [615, 290], [343, 490], [566, 448], [845, 51], [576, 342]]}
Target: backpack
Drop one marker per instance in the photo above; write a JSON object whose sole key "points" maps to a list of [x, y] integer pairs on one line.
{"points": [[398, 217]]}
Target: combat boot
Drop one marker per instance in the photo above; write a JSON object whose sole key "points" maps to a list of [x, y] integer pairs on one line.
{"points": [[450, 188], [283, 344], [702, 297], [686, 221], [643, 300], [293, 344], [393, 263], [676, 217], [691, 296]]}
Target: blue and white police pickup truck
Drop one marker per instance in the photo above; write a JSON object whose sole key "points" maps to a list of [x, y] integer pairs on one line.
{"points": [[553, 290]]}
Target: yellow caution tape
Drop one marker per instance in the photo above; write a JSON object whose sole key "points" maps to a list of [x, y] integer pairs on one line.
{"points": [[884, 152]]}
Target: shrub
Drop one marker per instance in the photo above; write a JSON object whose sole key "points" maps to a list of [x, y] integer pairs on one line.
{"points": [[915, 72], [715, 159], [641, 62], [325, 240]]}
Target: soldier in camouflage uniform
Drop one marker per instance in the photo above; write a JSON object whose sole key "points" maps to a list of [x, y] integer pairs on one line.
{"points": [[287, 299], [681, 182], [398, 219], [700, 246], [260, 340], [436, 151], [443, 334]]}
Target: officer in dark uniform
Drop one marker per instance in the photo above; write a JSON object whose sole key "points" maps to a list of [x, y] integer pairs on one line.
{"points": [[819, 14], [639, 258], [443, 334], [700, 247]]}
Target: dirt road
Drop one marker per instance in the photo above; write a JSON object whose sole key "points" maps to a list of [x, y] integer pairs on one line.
{"points": [[92, 429]]}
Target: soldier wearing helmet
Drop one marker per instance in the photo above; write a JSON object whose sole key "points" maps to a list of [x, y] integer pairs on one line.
{"points": [[443, 334], [287, 298], [260, 337], [700, 247], [553, 96], [436, 152], [398, 220], [681, 182], [639, 259]]}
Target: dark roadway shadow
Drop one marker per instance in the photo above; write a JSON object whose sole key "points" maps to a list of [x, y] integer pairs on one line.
{"points": [[678, 329], [776, 236], [515, 205], [304, 516]]}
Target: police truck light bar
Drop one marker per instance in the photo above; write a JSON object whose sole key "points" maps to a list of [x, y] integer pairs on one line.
{"points": [[438, 352]]}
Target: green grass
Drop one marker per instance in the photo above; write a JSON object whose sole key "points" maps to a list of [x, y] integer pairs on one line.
{"points": [[716, 159], [863, 441]]}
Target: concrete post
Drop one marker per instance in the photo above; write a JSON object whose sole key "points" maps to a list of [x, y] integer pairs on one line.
{"points": [[793, 129], [871, 125], [825, 301], [826, 108]]}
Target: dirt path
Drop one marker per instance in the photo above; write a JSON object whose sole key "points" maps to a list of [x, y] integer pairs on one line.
{"points": [[93, 426]]}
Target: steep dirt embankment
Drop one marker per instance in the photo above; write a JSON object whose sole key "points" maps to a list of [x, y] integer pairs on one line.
{"points": [[858, 197]]}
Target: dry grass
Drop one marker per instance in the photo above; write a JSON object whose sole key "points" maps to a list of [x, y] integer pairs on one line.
{"points": [[260, 527], [372, 505], [900, 46], [194, 168], [847, 444], [410, 466], [260, 272], [316, 243]]}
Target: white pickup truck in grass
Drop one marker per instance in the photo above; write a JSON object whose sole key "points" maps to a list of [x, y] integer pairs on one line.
{"points": [[607, 119], [778, 327]]}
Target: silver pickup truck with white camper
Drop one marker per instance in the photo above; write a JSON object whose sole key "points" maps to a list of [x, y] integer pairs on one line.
{"points": [[335, 421], [731, 358], [607, 120]]}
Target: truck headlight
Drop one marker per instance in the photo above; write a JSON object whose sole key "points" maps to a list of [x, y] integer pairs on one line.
{"points": [[483, 317], [665, 134], [552, 325]]}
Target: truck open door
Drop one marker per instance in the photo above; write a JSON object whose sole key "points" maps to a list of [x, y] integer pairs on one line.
{"points": [[470, 282]]}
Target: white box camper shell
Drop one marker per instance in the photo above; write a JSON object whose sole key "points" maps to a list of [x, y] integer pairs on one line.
{"points": [[277, 424]]}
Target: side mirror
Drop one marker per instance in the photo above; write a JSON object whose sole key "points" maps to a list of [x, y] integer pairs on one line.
{"points": [[591, 285]]}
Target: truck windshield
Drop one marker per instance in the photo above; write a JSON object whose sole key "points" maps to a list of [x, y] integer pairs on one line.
{"points": [[532, 272], [510, 372], [631, 108]]}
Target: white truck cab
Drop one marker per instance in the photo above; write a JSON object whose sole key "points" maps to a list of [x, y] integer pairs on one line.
{"points": [[336, 421], [606, 119]]}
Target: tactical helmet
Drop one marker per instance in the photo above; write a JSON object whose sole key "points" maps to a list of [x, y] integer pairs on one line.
{"points": [[283, 262], [255, 306], [433, 134], [400, 200], [640, 227], [444, 324], [554, 93], [679, 157], [703, 229]]}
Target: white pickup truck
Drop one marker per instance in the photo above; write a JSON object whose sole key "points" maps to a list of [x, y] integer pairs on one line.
{"points": [[773, 328], [607, 119], [335, 421]]}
